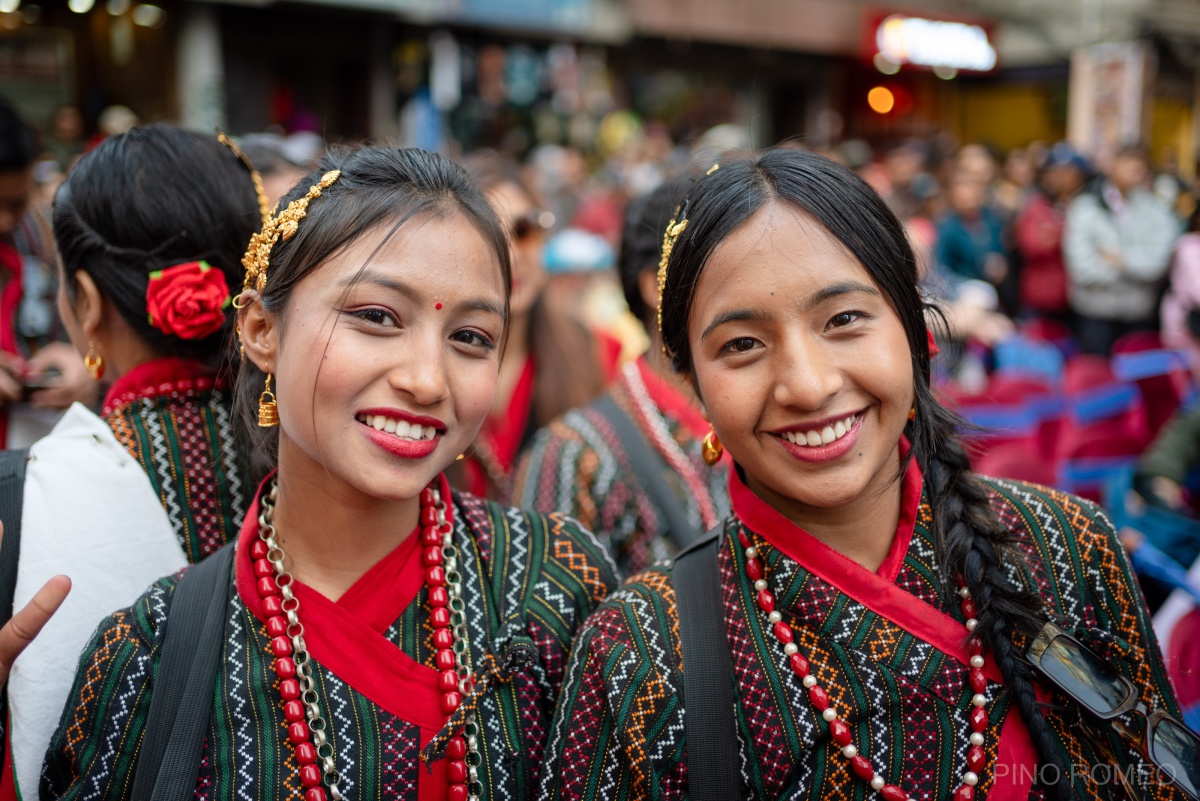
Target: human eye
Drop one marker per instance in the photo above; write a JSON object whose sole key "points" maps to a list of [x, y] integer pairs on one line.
{"points": [[474, 339], [739, 345], [375, 316], [845, 318]]}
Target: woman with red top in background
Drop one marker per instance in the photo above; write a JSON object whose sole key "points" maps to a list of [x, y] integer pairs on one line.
{"points": [[551, 361]]}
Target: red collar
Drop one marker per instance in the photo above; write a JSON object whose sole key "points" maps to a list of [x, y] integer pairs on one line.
{"points": [[804, 548], [158, 378], [670, 401], [347, 636]]}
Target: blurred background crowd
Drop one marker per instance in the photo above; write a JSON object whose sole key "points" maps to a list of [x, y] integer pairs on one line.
{"points": [[1043, 157]]}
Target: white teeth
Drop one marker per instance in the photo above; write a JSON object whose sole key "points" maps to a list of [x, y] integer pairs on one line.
{"points": [[399, 428], [825, 436]]}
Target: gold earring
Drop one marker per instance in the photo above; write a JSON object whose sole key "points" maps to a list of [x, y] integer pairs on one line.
{"points": [[268, 411], [912, 413], [94, 362], [711, 448]]}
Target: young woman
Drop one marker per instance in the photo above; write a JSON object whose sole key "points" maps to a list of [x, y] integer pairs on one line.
{"points": [[159, 481], [596, 461], [551, 363], [364, 595], [145, 296], [877, 597]]}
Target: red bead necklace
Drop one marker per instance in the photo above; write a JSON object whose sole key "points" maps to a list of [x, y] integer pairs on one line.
{"points": [[293, 665], [839, 730]]}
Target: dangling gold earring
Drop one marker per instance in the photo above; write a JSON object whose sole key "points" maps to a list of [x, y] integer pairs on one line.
{"points": [[912, 413], [711, 448], [268, 411], [94, 362]]}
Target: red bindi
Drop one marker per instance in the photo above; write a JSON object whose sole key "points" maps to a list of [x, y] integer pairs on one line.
{"points": [[437, 306]]}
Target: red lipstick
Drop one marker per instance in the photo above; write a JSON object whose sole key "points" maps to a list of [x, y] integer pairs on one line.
{"points": [[823, 453]]}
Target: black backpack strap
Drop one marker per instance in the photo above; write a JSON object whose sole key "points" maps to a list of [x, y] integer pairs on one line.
{"points": [[182, 698], [651, 469], [709, 717], [12, 502]]}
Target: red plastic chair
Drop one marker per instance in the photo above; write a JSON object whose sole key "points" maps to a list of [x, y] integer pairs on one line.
{"points": [[1162, 375]]}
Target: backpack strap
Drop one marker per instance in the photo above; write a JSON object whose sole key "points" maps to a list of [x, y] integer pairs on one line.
{"points": [[12, 503], [651, 469], [709, 718], [182, 700]]}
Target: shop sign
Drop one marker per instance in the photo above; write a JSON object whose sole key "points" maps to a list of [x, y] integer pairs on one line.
{"points": [[935, 43]]}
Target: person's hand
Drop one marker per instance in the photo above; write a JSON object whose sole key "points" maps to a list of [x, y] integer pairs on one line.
{"points": [[1113, 257], [73, 384], [25, 624], [995, 267], [11, 368]]}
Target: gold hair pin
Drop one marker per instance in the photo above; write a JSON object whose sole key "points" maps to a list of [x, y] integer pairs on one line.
{"points": [[675, 227], [282, 226]]}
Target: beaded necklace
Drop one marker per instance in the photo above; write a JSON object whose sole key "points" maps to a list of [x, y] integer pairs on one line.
{"points": [[297, 685], [839, 730]]}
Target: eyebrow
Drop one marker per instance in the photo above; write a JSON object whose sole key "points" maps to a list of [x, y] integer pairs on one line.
{"points": [[816, 299], [369, 276]]}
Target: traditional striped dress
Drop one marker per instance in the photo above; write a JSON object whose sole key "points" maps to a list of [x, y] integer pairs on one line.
{"points": [[578, 465], [526, 579], [176, 419], [888, 647]]}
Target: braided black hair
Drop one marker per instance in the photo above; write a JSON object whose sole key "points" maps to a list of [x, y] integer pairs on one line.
{"points": [[971, 543]]}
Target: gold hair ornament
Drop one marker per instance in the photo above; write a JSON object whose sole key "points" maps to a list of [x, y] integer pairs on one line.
{"points": [[281, 226], [675, 227], [264, 203]]}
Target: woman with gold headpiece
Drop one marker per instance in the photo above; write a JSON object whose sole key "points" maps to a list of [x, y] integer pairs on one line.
{"points": [[376, 635], [150, 227], [872, 620]]}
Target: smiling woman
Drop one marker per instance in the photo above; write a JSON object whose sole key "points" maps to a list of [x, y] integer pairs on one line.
{"points": [[876, 596], [382, 637]]}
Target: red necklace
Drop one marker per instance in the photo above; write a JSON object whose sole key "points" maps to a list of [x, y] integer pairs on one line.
{"points": [[839, 730], [306, 728]]}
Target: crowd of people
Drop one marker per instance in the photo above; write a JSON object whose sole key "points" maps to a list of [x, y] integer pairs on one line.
{"points": [[365, 424]]}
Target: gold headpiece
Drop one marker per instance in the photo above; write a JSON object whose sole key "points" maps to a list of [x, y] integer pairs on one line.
{"points": [[675, 227], [281, 226]]}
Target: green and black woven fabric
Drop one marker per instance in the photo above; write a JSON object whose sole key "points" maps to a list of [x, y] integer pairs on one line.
{"points": [[525, 578], [176, 418], [887, 647]]}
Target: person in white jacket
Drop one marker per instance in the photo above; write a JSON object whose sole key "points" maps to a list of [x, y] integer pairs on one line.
{"points": [[1117, 244]]}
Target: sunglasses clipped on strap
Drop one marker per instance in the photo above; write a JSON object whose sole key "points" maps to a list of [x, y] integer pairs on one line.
{"points": [[1105, 694]]}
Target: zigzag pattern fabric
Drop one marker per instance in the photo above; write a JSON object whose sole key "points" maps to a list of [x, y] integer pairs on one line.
{"points": [[619, 732], [524, 576], [577, 465], [176, 419]]}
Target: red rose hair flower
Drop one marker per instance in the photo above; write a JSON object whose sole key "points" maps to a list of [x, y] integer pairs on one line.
{"points": [[188, 300]]}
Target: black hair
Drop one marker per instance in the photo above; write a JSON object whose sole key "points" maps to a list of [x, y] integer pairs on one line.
{"points": [[971, 542], [151, 198], [18, 144], [378, 185], [646, 219]]}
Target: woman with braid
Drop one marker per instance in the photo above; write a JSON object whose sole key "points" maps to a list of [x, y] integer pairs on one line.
{"points": [[888, 624]]}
